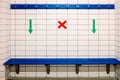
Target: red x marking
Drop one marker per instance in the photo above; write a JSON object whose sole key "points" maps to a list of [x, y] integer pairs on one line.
{"points": [[62, 24]]}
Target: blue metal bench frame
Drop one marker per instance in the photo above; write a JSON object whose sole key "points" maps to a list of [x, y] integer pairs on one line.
{"points": [[62, 61]]}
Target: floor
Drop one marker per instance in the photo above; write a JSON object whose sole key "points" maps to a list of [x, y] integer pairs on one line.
{"points": [[103, 78]]}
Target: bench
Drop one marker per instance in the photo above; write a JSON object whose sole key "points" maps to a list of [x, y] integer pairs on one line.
{"points": [[62, 61]]}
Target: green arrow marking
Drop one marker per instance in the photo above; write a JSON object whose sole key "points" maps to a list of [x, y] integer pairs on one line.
{"points": [[30, 26], [93, 26]]}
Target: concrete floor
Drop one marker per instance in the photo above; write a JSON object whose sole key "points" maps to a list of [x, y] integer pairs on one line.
{"points": [[103, 78]]}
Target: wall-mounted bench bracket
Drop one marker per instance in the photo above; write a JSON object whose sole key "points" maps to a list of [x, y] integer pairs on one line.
{"points": [[77, 68], [17, 68], [47, 68], [107, 68]]}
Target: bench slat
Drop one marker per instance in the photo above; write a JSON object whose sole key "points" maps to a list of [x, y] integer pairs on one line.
{"points": [[60, 61]]}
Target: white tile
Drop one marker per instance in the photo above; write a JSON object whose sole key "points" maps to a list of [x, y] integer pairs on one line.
{"points": [[82, 16], [62, 48], [74, 16], [93, 74], [19, 17], [85, 43], [51, 38], [51, 31], [51, 48], [83, 1], [93, 1], [2, 68], [51, 53], [30, 37], [20, 1], [59, 37], [72, 42], [92, 53], [61, 74], [72, 48], [72, 12], [73, 53], [102, 43], [62, 12], [61, 31], [74, 38], [42, 27], [41, 1], [52, 1], [31, 16], [41, 48], [93, 48], [42, 53], [93, 16], [12, 1], [3, 45], [19, 53], [41, 43], [93, 43], [19, 12], [83, 48], [103, 37], [30, 53], [51, 22], [55, 40], [41, 38], [103, 17], [2, 74], [102, 48], [20, 48], [20, 38], [41, 22], [82, 22], [61, 43], [41, 17], [3, 21], [83, 53], [51, 42], [30, 1], [3, 78]]}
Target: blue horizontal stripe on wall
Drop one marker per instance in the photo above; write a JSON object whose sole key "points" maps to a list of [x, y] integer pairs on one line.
{"points": [[62, 6]]}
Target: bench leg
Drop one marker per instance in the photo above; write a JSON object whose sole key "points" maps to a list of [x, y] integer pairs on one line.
{"points": [[9, 66], [17, 68], [77, 68], [47, 68], [108, 68], [10, 79]]}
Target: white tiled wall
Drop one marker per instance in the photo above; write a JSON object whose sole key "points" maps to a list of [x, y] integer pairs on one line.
{"points": [[49, 41], [117, 29], [4, 36], [117, 35]]}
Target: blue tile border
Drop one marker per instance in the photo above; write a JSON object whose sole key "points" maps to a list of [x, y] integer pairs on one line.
{"points": [[62, 6]]}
